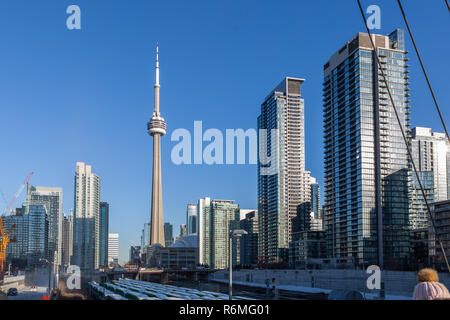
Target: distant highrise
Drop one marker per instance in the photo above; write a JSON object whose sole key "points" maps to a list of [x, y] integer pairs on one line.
{"points": [[366, 160], [191, 219], [103, 234], [135, 255], [113, 248], [17, 251], [86, 217], [248, 243], [67, 240], [284, 189], [38, 230], [315, 199], [218, 217], [51, 198], [183, 230], [168, 233], [203, 213], [431, 152], [145, 237]]}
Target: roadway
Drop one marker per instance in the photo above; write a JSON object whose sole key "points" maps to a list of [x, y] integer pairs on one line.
{"points": [[27, 293]]}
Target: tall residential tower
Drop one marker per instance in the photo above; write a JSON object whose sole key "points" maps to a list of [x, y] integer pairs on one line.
{"points": [[157, 128], [283, 189], [366, 160]]}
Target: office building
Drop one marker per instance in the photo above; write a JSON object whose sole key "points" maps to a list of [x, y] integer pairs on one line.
{"points": [[51, 198], [168, 233], [86, 217], [191, 219], [113, 249], [103, 231], [284, 193], [366, 161]]}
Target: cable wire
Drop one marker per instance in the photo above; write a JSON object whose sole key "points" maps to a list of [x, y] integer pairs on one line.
{"points": [[403, 135], [423, 68]]}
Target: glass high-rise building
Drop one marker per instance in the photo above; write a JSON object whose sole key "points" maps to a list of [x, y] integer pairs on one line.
{"points": [[191, 219], [86, 220], [168, 234], [218, 217], [51, 198], [248, 243], [315, 199], [103, 234], [366, 161], [283, 183], [16, 251], [38, 231]]}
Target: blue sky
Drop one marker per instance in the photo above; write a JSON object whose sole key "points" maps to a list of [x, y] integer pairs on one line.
{"points": [[86, 95]]}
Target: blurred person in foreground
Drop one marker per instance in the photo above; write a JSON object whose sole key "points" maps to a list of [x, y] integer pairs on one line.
{"points": [[429, 287]]}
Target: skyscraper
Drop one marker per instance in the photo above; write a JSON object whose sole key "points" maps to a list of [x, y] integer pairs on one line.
{"points": [[113, 248], [191, 219], [203, 208], [67, 240], [86, 220], [51, 198], [157, 128], [103, 234], [38, 230], [16, 251], [218, 218], [168, 233], [366, 161], [315, 199], [284, 190]]}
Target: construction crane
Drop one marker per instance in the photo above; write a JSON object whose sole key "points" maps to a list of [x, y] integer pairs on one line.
{"points": [[5, 235]]}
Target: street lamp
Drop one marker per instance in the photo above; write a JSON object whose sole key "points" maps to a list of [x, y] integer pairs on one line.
{"points": [[233, 233]]}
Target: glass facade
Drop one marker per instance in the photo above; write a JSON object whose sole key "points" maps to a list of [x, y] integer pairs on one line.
{"points": [[366, 162], [38, 230], [51, 198], [103, 234], [191, 219], [218, 218]]}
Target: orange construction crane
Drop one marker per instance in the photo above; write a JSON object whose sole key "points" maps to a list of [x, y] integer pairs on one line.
{"points": [[5, 235], [5, 239]]}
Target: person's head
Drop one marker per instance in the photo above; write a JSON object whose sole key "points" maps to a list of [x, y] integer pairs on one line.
{"points": [[427, 275]]}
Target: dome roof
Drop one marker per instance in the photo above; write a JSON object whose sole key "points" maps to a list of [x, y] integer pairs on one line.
{"points": [[186, 242]]}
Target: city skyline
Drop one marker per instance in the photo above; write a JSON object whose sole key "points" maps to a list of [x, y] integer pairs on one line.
{"points": [[134, 206]]}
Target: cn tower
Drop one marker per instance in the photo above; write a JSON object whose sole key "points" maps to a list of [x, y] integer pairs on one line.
{"points": [[157, 128]]}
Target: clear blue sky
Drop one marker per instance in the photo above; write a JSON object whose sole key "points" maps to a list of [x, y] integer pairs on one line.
{"points": [[86, 95]]}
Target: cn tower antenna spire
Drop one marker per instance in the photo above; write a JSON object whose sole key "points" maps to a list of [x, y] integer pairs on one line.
{"points": [[157, 65]]}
